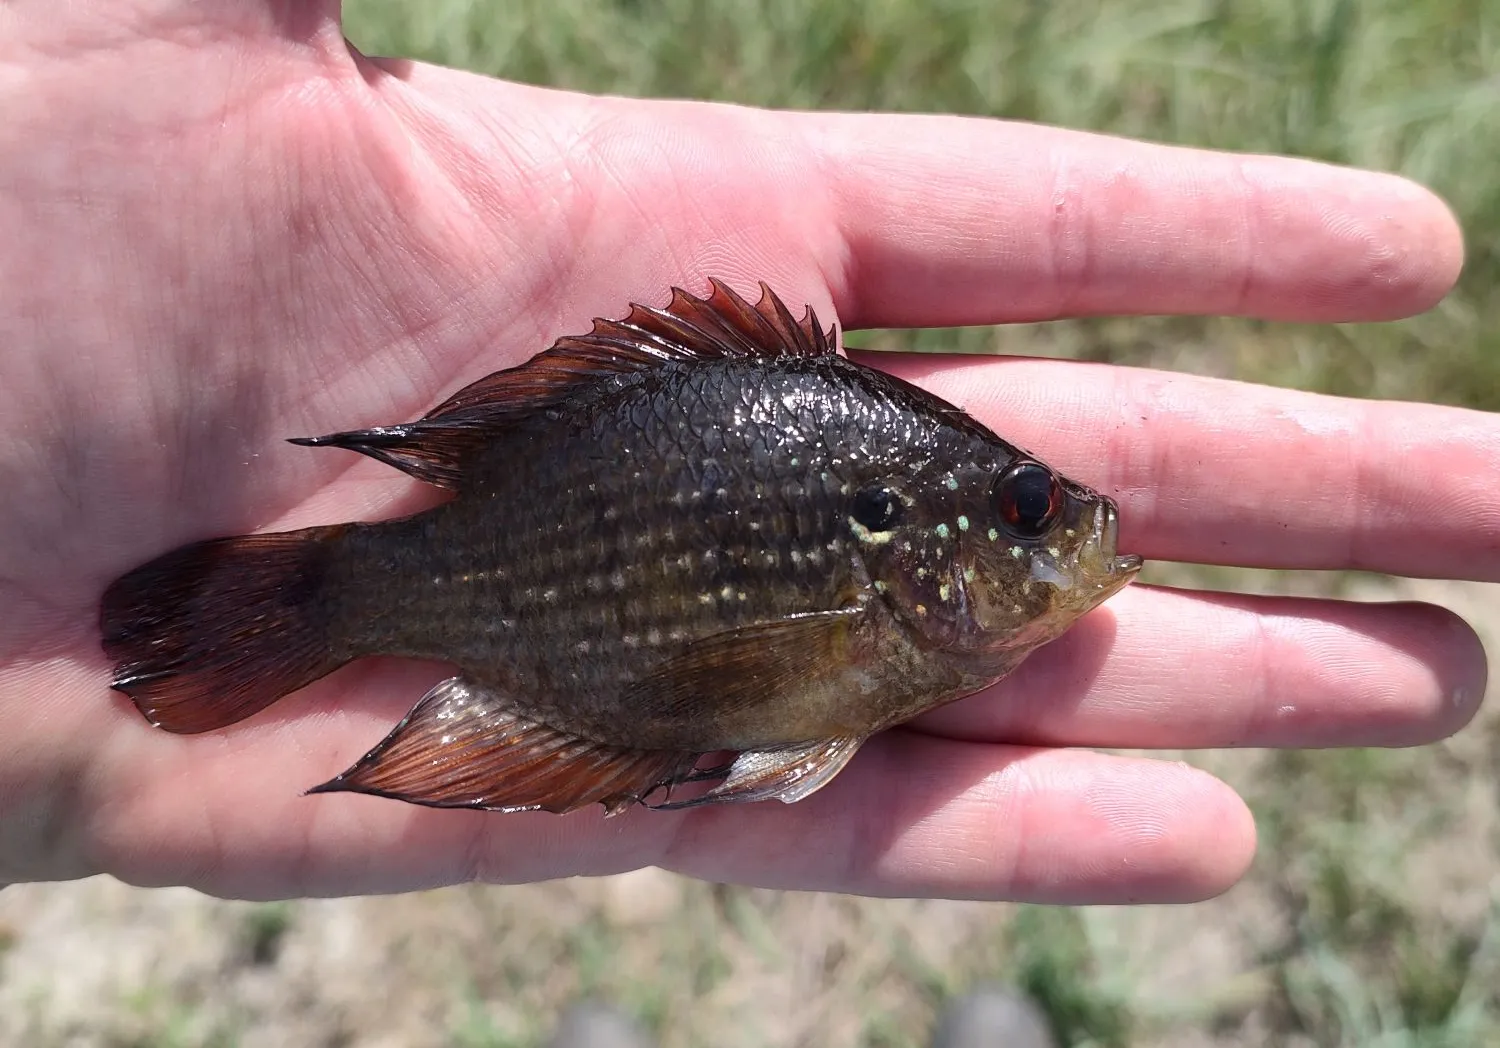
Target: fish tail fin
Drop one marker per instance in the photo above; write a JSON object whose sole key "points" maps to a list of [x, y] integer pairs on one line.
{"points": [[214, 632]]}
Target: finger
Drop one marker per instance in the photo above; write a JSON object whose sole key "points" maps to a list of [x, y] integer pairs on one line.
{"points": [[913, 816], [945, 221], [1222, 472], [226, 812], [1167, 669], [1250, 671]]}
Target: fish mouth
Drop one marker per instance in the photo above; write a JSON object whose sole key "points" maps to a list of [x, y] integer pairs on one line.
{"points": [[1102, 564], [1095, 572]]}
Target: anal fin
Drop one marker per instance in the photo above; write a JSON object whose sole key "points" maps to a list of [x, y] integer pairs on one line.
{"points": [[788, 775], [464, 746]]}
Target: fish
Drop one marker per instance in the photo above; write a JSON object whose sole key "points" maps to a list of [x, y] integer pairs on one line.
{"points": [[700, 534]]}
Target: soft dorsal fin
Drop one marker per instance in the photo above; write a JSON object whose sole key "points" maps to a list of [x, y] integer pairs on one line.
{"points": [[437, 448]]}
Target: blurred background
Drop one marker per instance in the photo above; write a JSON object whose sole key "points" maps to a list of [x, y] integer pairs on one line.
{"points": [[1372, 916]]}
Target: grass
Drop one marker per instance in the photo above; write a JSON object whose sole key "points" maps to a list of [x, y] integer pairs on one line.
{"points": [[263, 930], [161, 1020], [1055, 963], [1361, 955]]}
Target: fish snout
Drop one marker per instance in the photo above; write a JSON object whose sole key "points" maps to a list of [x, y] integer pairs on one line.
{"points": [[1099, 557]]}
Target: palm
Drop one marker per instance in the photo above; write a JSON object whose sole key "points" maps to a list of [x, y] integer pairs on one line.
{"points": [[330, 243]]}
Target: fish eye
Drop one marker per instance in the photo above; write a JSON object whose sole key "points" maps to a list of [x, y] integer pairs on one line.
{"points": [[1028, 499], [877, 508]]}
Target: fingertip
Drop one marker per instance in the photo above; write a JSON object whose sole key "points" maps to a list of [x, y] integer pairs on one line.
{"points": [[1441, 236], [1457, 666], [1420, 226], [1069, 827], [1231, 828], [1402, 248], [1197, 832]]}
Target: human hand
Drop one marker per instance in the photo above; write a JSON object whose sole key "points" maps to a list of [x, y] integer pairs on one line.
{"points": [[224, 228]]}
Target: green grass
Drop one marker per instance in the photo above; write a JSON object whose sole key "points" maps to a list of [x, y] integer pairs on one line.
{"points": [[163, 1020], [263, 930], [1357, 952], [1364, 956], [1054, 962]]}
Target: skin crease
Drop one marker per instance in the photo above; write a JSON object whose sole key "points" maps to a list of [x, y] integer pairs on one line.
{"points": [[224, 227]]}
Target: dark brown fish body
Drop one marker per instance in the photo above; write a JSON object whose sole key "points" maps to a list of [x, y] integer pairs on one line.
{"points": [[640, 526], [706, 531]]}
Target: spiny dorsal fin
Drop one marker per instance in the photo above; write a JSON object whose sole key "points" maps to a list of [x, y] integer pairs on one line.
{"points": [[722, 325], [437, 448]]}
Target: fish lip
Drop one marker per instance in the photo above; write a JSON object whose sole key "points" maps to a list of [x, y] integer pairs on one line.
{"points": [[1099, 558]]}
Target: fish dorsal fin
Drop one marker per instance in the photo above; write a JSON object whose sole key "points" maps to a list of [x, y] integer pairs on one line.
{"points": [[437, 448], [722, 325]]}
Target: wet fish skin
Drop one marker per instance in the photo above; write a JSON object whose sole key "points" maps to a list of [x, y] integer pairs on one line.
{"points": [[649, 561], [572, 574]]}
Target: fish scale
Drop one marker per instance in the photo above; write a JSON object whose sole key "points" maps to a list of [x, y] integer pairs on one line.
{"points": [[698, 529], [512, 569]]}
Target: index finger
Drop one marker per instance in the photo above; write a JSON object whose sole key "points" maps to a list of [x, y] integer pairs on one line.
{"points": [[948, 220]]}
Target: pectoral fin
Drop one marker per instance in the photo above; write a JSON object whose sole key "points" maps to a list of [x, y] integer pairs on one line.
{"points": [[740, 667], [786, 775], [465, 746]]}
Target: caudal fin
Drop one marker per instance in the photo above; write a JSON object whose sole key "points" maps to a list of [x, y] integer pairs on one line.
{"points": [[214, 632]]}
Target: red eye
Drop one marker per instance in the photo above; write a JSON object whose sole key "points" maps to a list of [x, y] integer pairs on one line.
{"points": [[1028, 499]]}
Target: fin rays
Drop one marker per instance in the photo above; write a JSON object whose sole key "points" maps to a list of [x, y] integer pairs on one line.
{"points": [[438, 448], [788, 775], [463, 746], [211, 633]]}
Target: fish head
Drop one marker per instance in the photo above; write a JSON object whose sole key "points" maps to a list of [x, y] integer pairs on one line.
{"points": [[991, 559]]}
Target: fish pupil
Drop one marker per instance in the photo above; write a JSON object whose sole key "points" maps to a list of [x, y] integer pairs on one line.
{"points": [[1028, 499], [877, 508]]}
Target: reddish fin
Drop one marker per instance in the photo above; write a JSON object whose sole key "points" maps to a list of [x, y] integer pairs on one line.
{"points": [[787, 775], [437, 449], [212, 633], [722, 325], [463, 746]]}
